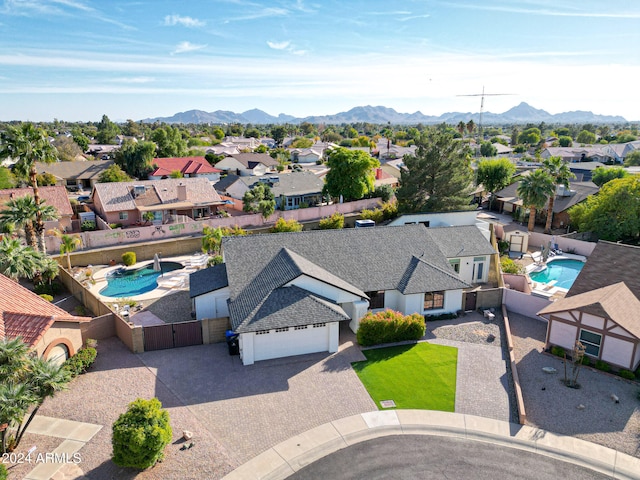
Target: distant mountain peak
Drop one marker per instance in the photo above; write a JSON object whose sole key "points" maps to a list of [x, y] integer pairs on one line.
{"points": [[521, 113]]}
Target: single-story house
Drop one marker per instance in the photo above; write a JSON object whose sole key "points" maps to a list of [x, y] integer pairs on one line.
{"points": [[246, 164], [55, 196], [602, 308], [383, 178], [126, 202], [307, 155], [289, 189], [567, 198], [394, 167], [584, 170], [288, 292], [188, 166], [49, 331], [75, 175]]}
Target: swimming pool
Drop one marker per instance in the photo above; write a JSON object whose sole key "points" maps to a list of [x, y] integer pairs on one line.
{"points": [[563, 271], [128, 283]]}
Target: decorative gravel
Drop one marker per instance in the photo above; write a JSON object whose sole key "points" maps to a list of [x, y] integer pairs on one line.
{"points": [[552, 406], [467, 329], [104, 392]]}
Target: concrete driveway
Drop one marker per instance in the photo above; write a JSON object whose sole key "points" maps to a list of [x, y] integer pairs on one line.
{"points": [[251, 408]]}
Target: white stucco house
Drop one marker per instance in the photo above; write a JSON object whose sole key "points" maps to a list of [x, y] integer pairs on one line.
{"points": [[287, 293], [248, 164]]}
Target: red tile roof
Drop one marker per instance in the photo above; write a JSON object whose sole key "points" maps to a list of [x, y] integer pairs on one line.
{"points": [[186, 165], [55, 196], [27, 315]]}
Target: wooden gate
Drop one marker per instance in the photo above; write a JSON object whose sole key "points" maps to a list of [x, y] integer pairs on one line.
{"points": [[170, 335], [470, 301]]}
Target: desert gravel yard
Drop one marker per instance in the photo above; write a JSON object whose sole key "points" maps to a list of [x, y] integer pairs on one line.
{"points": [[553, 406]]}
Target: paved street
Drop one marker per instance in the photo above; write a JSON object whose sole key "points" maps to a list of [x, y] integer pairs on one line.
{"points": [[417, 456]]}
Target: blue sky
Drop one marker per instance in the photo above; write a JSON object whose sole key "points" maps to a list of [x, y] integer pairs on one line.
{"points": [[79, 59]]}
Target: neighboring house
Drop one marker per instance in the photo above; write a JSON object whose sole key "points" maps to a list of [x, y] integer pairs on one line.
{"points": [[388, 151], [592, 153], [394, 167], [602, 308], [75, 175], [221, 149], [291, 190], [102, 152], [584, 170], [246, 164], [384, 178], [502, 150], [243, 143], [567, 198], [125, 202], [287, 293], [55, 196], [48, 330], [508, 201], [189, 167], [306, 155]]}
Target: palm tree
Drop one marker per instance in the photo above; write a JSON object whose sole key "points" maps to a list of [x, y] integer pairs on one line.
{"points": [[22, 212], [461, 127], [15, 400], [212, 240], [27, 145], [561, 174], [534, 190], [67, 245], [471, 126], [18, 261], [45, 380]]}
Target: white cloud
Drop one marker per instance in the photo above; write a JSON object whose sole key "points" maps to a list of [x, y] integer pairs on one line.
{"points": [[132, 80], [183, 47], [172, 20], [279, 45], [264, 13], [550, 12]]}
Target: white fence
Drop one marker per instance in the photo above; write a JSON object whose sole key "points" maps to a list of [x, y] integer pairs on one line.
{"points": [[580, 247], [523, 303]]}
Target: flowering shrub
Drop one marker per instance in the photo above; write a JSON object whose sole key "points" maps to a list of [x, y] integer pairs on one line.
{"points": [[389, 326]]}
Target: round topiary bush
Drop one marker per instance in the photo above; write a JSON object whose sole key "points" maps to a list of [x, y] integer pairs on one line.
{"points": [[129, 258], [141, 434]]}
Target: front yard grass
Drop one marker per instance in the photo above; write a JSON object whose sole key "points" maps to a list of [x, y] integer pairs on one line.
{"points": [[419, 376]]}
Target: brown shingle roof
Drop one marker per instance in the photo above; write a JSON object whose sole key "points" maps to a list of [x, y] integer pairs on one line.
{"points": [[609, 263], [80, 170], [27, 315], [117, 196], [248, 159], [616, 302], [55, 196]]}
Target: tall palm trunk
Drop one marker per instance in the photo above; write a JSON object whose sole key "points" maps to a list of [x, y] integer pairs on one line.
{"points": [[532, 218], [30, 234], [547, 225], [39, 226]]}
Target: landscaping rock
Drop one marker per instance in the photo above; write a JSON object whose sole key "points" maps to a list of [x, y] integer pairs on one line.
{"points": [[187, 435]]}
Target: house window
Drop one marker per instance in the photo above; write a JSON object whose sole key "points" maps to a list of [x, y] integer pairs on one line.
{"points": [[376, 299], [123, 215], [591, 341], [455, 263], [433, 300]]}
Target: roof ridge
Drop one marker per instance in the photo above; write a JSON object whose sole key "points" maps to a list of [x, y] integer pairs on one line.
{"points": [[451, 274]]}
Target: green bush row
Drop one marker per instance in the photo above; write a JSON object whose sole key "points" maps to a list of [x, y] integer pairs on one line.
{"points": [[389, 326], [82, 360], [599, 364]]}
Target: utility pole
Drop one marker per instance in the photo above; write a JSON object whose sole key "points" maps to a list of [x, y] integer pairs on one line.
{"points": [[482, 95]]}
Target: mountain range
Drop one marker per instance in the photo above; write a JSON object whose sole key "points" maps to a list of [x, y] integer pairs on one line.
{"points": [[520, 114]]}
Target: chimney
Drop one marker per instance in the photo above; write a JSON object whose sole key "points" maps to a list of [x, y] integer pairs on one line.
{"points": [[182, 193], [378, 173]]}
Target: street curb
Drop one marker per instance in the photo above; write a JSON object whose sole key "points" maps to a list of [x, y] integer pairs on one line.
{"points": [[293, 454]]}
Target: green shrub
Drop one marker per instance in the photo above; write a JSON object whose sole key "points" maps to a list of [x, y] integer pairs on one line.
{"points": [[389, 326], [334, 222], [88, 225], [52, 288], [442, 316], [80, 310], [115, 225], [604, 366], [215, 260], [509, 266], [586, 361], [503, 247], [628, 374], [3, 472], [47, 297], [141, 434], [129, 258], [557, 351], [81, 361]]}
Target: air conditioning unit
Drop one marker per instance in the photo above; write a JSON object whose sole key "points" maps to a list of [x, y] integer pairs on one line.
{"points": [[138, 190]]}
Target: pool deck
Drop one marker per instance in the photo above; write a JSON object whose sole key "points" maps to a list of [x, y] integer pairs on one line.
{"points": [[548, 289], [169, 282]]}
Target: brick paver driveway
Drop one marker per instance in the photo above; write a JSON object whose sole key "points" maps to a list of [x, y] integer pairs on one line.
{"points": [[251, 408]]}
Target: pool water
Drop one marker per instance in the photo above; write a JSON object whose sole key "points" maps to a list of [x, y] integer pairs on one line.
{"points": [[129, 283], [564, 272]]}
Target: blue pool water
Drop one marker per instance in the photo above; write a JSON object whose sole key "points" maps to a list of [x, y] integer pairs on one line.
{"points": [[128, 283], [564, 272]]}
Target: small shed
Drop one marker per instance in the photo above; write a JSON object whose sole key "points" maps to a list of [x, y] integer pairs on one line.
{"points": [[517, 236]]}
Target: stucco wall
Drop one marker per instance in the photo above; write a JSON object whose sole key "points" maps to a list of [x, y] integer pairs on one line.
{"points": [[213, 329], [524, 304], [617, 352], [212, 304], [536, 239], [59, 331]]}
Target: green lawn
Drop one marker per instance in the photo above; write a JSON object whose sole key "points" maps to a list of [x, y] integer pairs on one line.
{"points": [[420, 376]]}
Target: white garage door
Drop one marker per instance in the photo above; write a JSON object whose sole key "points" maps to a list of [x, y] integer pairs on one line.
{"points": [[292, 341], [58, 354]]}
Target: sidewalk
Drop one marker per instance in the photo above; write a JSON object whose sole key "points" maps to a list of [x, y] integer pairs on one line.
{"points": [[294, 454], [75, 435]]}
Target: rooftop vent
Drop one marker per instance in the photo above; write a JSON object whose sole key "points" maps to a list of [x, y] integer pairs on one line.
{"points": [[138, 190]]}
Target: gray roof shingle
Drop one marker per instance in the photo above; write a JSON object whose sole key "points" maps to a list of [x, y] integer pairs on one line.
{"points": [[357, 260], [462, 241], [208, 280]]}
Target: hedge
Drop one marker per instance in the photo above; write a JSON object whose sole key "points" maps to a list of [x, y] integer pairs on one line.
{"points": [[389, 326], [80, 361]]}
